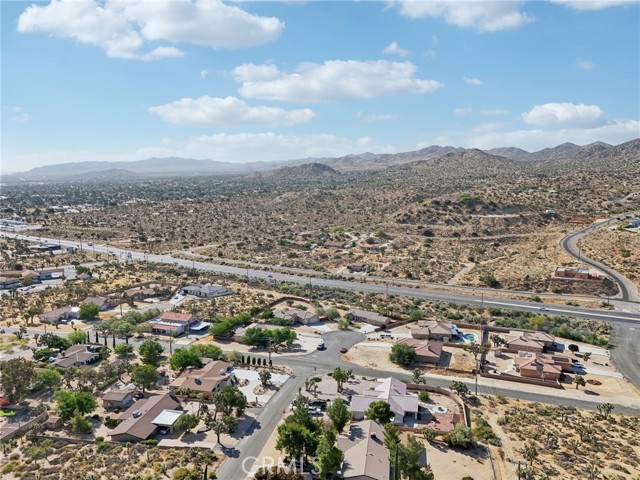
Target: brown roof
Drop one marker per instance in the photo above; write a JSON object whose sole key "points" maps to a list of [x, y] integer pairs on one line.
{"points": [[524, 341], [433, 327], [424, 348], [204, 379], [176, 317], [116, 395], [365, 455], [541, 362], [149, 408]]}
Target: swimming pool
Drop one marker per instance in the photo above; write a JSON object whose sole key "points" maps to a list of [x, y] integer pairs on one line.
{"points": [[470, 337]]}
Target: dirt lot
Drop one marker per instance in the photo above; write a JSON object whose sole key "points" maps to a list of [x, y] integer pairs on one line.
{"points": [[569, 444], [615, 247]]}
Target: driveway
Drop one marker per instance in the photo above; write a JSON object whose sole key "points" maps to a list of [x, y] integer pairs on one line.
{"points": [[252, 376]]}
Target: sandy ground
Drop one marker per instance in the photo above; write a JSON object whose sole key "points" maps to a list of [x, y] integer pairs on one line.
{"points": [[303, 344], [450, 464], [375, 354]]}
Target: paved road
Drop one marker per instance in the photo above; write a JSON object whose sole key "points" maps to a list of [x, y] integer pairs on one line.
{"points": [[628, 290]]}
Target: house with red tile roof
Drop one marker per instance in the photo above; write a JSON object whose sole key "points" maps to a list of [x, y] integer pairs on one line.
{"points": [[173, 323]]}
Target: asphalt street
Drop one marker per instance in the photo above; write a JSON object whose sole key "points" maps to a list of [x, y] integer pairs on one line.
{"points": [[628, 290]]}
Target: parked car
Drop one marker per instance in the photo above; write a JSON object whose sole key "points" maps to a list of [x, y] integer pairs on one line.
{"points": [[386, 335], [344, 350], [321, 346], [163, 431]]}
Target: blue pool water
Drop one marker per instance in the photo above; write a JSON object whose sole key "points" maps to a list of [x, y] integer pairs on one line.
{"points": [[470, 337]]}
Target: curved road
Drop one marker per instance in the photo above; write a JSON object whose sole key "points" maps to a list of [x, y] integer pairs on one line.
{"points": [[628, 290]]}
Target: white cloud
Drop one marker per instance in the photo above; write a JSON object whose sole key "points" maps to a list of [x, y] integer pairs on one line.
{"points": [[377, 117], [204, 73], [496, 111], [430, 53], [162, 52], [228, 112], [585, 65], [568, 114], [473, 81], [268, 146], [394, 49], [593, 4], [481, 15], [18, 115], [461, 112], [332, 81], [122, 27], [486, 137]]}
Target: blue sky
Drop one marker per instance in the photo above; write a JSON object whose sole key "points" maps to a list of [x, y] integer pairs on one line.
{"points": [[250, 81]]}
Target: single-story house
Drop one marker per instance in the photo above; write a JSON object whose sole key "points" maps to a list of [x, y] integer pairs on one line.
{"points": [[389, 390], [575, 272], [427, 351], [113, 399], [103, 303], [365, 455], [51, 273], [435, 330], [239, 333], [530, 341], [206, 291], [10, 282], [78, 355], [297, 315], [208, 379], [144, 417], [173, 323], [539, 365], [16, 278], [59, 314], [372, 318]]}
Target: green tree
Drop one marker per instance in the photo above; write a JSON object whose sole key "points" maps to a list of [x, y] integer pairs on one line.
{"points": [[265, 377], [391, 436], [530, 452], [88, 311], [79, 423], [412, 465], [206, 350], [423, 396], [380, 411], [225, 425], [56, 342], [416, 376], [579, 381], [295, 439], [332, 313], [150, 352], [586, 356], [460, 388], [184, 473], [183, 359], [76, 337], [338, 413], [461, 437], [186, 422], [69, 401], [16, 376], [277, 473], [429, 434], [228, 399], [123, 350], [497, 340], [47, 379], [144, 376], [329, 456], [402, 354], [340, 375], [605, 409]]}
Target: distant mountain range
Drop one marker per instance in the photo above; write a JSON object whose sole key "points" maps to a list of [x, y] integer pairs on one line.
{"points": [[564, 154]]}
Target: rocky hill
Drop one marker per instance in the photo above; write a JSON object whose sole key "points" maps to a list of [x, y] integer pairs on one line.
{"points": [[303, 172]]}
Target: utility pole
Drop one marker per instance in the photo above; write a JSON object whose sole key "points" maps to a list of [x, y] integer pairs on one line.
{"points": [[481, 299]]}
